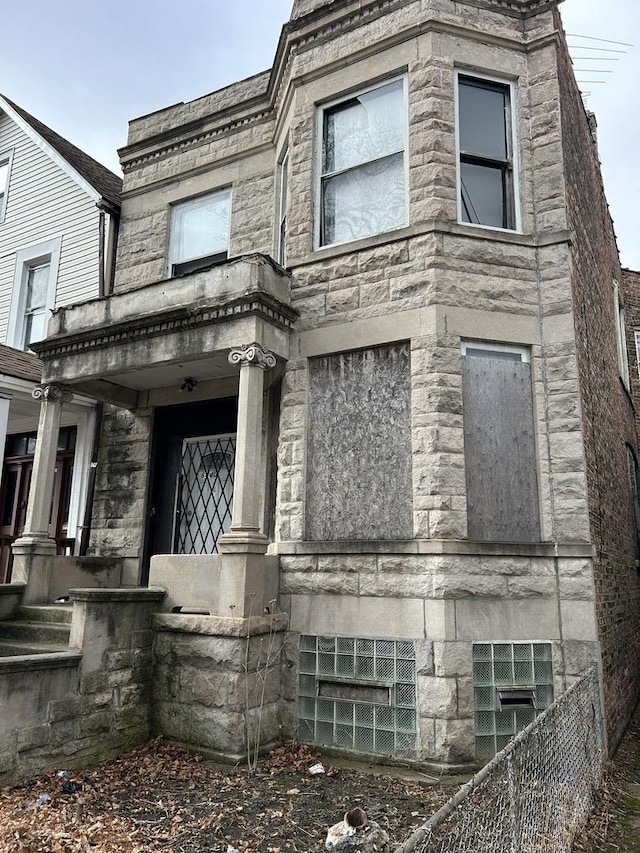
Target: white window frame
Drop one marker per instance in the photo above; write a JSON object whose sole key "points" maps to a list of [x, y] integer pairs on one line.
{"points": [[512, 87], [6, 159], [41, 253], [636, 335], [621, 336], [319, 200], [172, 259], [467, 348]]}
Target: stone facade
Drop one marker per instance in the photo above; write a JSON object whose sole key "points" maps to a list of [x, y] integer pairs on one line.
{"points": [[407, 308]]}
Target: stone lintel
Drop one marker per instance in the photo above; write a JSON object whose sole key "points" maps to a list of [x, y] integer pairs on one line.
{"points": [[220, 626]]}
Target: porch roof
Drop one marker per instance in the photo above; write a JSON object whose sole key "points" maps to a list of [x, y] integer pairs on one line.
{"points": [[152, 336]]}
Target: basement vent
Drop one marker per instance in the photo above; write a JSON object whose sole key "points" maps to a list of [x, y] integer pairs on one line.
{"points": [[341, 690], [514, 700], [358, 694], [512, 683]]}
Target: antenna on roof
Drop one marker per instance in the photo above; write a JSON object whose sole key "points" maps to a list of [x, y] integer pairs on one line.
{"points": [[620, 48]]}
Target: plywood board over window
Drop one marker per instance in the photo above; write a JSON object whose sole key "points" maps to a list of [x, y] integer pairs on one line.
{"points": [[359, 446], [499, 442]]}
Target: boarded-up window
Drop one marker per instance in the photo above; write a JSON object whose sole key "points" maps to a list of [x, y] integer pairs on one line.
{"points": [[359, 446], [499, 445]]}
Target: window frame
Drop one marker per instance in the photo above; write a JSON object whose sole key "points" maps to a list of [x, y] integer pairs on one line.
{"points": [[26, 259], [284, 166], [176, 268], [467, 348], [621, 336], [321, 110], [511, 186], [6, 159]]}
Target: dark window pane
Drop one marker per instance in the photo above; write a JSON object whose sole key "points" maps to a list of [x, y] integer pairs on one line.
{"points": [[503, 355], [364, 128], [365, 201], [483, 127], [9, 497], [483, 192]]}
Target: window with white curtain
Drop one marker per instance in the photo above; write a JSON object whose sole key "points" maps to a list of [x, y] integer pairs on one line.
{"points": [[363, 186], [36, 314], [199, 232], [34, 293], [5, 171]]}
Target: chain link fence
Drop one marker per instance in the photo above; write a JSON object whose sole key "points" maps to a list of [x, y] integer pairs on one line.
{"points": [[534, 796]]}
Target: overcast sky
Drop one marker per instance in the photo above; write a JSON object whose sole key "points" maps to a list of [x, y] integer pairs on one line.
{"points": [[86, 68]]}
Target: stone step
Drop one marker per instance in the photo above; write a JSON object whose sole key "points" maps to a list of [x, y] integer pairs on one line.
{"points": [[35, 633], [60, 613], [21, 647]]}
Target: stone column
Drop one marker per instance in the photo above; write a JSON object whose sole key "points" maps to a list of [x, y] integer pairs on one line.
{"points": [[33, 551], [246, 584]]}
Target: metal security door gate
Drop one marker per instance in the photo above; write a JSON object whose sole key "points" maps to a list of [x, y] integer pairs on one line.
{"points": [[204, 493]]}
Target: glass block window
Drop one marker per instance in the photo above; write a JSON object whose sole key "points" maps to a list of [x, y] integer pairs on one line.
{"points": [[358, 693], [497, 667]]}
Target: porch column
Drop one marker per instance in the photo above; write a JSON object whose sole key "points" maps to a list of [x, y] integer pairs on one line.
{"points": [[247, 580], [33, 551], [247, 486]]}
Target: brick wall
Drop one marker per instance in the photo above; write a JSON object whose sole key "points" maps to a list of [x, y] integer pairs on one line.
{"points": [[607, 413], [630, 290]]}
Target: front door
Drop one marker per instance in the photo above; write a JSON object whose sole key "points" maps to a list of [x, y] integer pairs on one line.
{"points": [[14, 494], [191, 490], [204, 494]]}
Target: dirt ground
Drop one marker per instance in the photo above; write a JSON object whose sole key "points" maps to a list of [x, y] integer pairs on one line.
{"points": [[615, 822], [162, 798]]}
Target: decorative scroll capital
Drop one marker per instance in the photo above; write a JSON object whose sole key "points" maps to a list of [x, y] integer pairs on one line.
{"points": [[52, 393], [253, 354]]}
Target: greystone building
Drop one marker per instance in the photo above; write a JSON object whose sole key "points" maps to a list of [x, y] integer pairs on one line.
{"points": [[367, 435]]}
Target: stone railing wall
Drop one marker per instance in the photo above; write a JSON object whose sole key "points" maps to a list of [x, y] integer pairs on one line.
{"points": [[80, 707]]}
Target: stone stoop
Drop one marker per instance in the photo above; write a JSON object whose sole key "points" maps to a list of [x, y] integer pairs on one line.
{"points": [[36, 630]]}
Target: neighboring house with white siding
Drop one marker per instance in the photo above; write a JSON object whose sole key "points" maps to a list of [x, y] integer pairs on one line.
{"points": [[59, 213]]}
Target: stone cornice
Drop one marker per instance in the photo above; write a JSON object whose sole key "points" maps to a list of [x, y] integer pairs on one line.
{"points": [[330, 20], [165, 323]]}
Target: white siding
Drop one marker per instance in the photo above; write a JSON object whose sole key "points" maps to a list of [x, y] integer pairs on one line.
{"points": [[44, 203]]}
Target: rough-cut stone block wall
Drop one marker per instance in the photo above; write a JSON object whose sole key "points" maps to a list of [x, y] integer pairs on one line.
{"points": [[445, 603], [217, 682], [144, 235], [117, 526], [84, 706], [607, 413]]}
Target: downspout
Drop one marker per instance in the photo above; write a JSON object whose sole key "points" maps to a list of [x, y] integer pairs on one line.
{"points": [[91, 484]]}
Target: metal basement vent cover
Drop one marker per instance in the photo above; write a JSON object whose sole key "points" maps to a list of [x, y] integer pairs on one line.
{"points": [[358, 694]]}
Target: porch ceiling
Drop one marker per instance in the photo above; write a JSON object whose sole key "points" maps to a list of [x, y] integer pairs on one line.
{"points": [[157, 335]]}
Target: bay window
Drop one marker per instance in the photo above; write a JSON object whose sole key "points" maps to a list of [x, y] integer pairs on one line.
{"points": [[486, 164], [363, 176]]}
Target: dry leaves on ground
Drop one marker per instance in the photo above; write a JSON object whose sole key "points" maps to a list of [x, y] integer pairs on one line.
{"points": [[161, 798]]}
